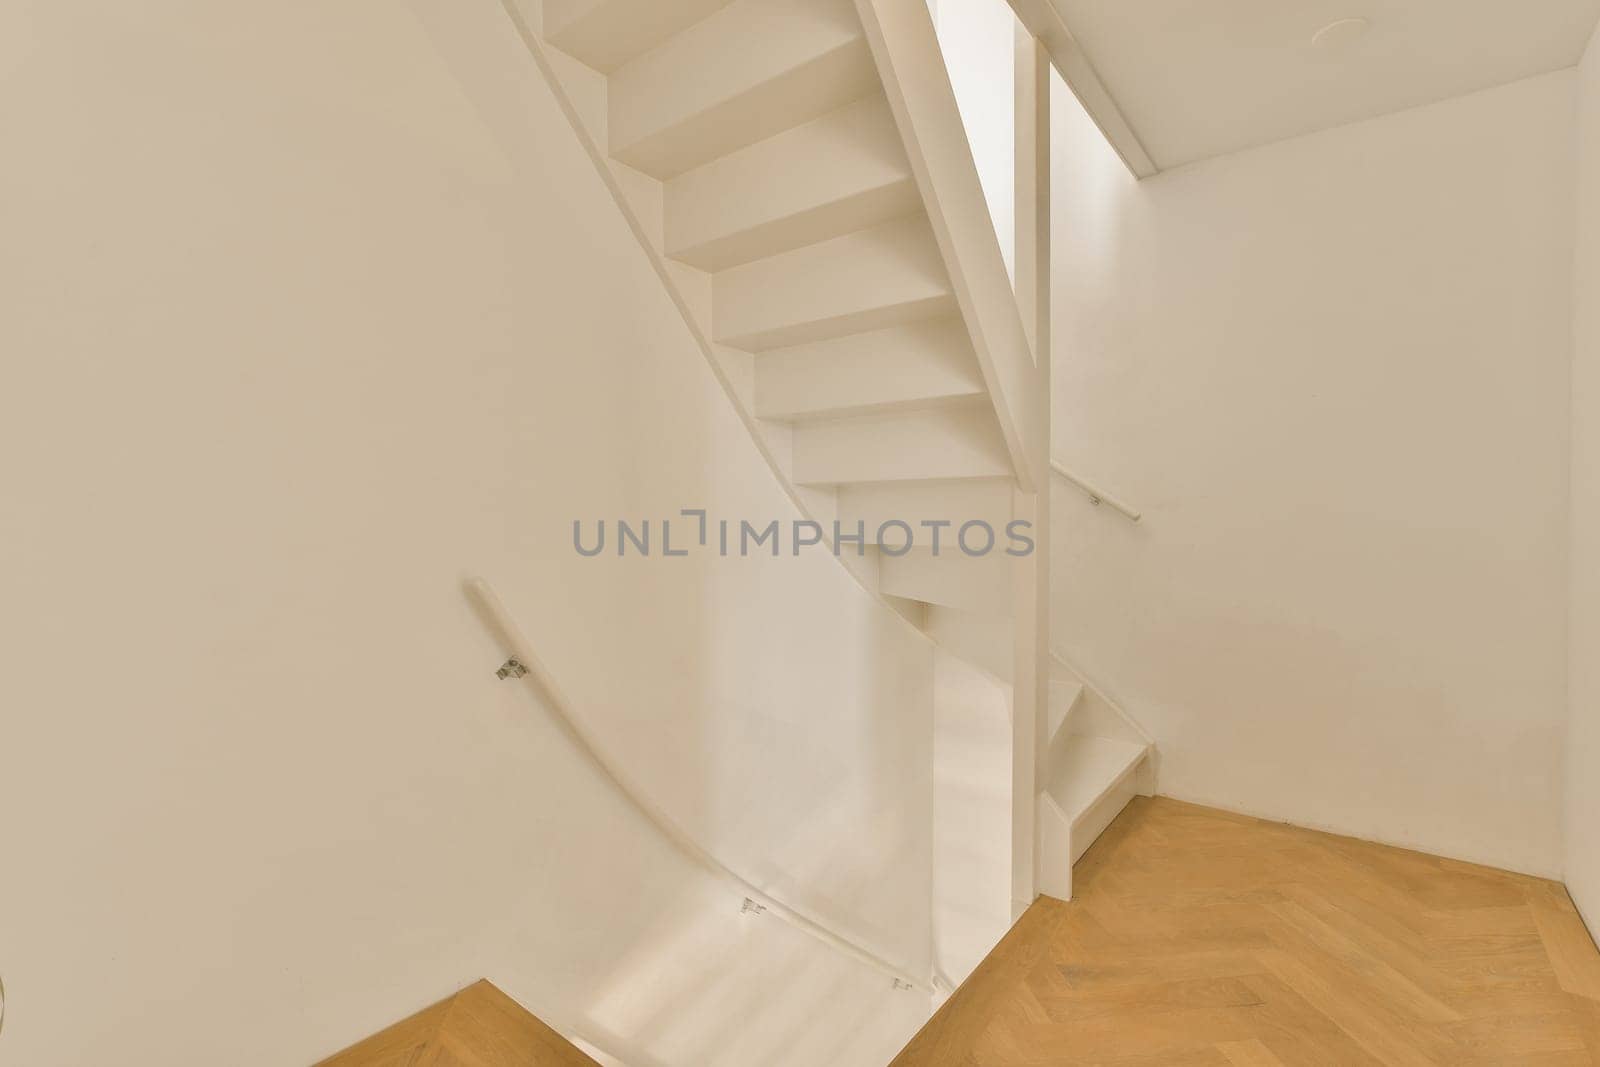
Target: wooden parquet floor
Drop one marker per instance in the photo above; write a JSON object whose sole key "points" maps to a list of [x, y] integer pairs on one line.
{"points": [[478, 1027], [1198, 937]]}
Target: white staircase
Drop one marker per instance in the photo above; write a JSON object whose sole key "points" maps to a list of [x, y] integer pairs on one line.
{"points": [[798, 174], [755, 148], [1098, 760]]}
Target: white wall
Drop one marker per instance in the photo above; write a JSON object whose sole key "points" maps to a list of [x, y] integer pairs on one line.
{"points": [[971, 814], [1333, 372], [1583, 750], [309, 310]]}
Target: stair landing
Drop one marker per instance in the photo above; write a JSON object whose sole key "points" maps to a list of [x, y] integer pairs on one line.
{"points": [[478, 1027]]}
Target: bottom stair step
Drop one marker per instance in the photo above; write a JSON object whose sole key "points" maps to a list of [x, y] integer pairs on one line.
{"points": [[1091, 781]]}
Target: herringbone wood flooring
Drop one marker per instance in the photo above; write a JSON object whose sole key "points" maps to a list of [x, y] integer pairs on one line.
{"points": [[1198, 937], [478, 1027]]}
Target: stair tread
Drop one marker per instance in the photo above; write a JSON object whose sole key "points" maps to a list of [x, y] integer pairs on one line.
{"points": [[867, 280], [938, 444], [1090, 767], [919, 364], [843, 171], [751, 70]]}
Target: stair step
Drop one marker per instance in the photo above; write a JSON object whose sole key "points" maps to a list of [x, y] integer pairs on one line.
{"points": [[913, 365], [931, 445], [951, 579], [1086, 769], [605, 34], [752, 69], [842, 172], [867, 280], [914, 503]]}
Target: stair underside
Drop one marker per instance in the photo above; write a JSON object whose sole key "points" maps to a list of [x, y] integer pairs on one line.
{"points": [[956, 442], [980, 584]]}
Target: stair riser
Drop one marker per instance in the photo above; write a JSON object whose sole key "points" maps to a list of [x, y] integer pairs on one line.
{"points": [[824, 324], [923, 365], [927, 446], [887, 276], [834, 219], [1092, 823], [840, 173], [605, 34], [828, 82], [753, 70]]}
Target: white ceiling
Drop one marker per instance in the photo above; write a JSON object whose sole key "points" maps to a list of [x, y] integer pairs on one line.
{"points": [[1198, 78]]}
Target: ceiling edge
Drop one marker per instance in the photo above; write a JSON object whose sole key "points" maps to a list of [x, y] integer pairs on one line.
{"points": [[1045, 22]]}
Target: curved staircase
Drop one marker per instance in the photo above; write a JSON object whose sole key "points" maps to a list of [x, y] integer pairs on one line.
{"points": [[798, 174], [763, 160]]}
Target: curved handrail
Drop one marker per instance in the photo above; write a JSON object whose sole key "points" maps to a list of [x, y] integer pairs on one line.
{"points": [[1096, 496], [522, 653]]}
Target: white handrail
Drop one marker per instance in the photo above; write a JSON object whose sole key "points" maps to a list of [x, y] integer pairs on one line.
{"points": [[1096, 495], [522, 653]]}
